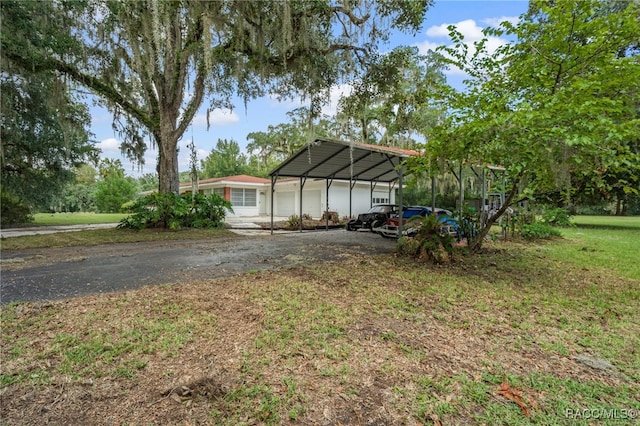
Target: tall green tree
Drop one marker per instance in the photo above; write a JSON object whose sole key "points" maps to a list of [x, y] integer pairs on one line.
{"points": [[148, 182], [225, 159], [78, 195], [155, 62], [113, 189], [42, 138], [561, 100], [267, 149], [396, 100], [44, 127]]}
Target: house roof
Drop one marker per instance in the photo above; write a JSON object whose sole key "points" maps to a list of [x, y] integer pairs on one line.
{"points": [[235, 179], [334, 159]]}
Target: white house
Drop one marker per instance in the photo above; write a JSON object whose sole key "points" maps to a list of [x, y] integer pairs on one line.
{"points": [[251, 196], [325, 175]]}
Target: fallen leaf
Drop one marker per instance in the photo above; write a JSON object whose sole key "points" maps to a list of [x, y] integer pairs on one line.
{"points": [[513, 395]]}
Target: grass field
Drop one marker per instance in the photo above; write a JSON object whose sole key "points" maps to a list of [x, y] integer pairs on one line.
{"points": [[59, 219], [544, 333], [631, 222], [108, 236]]}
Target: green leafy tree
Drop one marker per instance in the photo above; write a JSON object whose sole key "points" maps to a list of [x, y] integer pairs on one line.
{"points": [[142, 58], [561, 100], [79, 195], [224, 160], [148, 182], [44, 127], [42, 140], [267, 149], [396, 100], [114, 188]]}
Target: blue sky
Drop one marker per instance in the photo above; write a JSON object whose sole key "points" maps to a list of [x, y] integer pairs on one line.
{"points": [[469, 16]]}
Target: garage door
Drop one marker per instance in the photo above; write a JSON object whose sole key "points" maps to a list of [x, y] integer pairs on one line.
{"points": [[285, 202], [311, 203]]}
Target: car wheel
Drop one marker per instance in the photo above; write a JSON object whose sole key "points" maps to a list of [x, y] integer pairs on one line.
{"points": [[375, 224], [349, 228]]}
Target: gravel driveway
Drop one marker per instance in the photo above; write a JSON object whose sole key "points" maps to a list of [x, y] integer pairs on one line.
{"points": [[48, 274]]}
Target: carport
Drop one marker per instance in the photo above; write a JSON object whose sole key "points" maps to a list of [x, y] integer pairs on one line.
{"points": [[345, 161]]}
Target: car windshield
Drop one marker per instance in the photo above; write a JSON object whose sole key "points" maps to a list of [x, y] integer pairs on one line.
{"points": [[379, 209]]}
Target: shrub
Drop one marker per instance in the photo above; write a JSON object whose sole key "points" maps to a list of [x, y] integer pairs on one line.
{"points": [[175, 211], [556, 217], [536, 231], [293, 222], [207, 211], [333, 216], [13, 210], [112, 192], [431, 241]]}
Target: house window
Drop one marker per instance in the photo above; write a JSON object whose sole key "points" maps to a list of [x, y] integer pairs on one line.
{"points": [[243, 197], [380, 200], [219, 191]]}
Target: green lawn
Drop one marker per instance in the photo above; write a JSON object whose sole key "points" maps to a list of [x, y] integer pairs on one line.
{"points": [[604, 222], [509, 336], [58, 219], [93, 237], [604, 242]]}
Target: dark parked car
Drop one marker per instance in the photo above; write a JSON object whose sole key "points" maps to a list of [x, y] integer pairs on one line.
{"points": [[374, 218]]}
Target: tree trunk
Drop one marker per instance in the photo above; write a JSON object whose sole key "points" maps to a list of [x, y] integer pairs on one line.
{"points": [[475, 245], [168, 179]]}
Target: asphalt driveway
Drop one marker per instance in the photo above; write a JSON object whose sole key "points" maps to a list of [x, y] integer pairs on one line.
{"points": [[50, 274]]}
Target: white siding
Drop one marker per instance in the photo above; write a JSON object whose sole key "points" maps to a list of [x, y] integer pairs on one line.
{"points": [[285, 203], [314, 199], [360, 197], [311, 203]]}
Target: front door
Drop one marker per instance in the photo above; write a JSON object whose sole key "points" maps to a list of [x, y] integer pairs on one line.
{"points": [[263, 203]]}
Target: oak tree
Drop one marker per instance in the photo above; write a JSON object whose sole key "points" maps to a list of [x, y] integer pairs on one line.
{"points": [[154, 63]]}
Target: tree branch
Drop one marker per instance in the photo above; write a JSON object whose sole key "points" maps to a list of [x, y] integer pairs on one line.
{"points": [[88, 81], [349, 13]]}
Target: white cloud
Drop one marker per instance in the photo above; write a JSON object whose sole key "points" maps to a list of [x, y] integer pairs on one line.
{"points": [[184, 154], [468, 28], [109, 146], [217, 117], [425, 46], [495, 22]]}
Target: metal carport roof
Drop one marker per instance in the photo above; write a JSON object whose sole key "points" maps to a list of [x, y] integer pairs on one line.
{"points": [[334, 159], [339, 160]]}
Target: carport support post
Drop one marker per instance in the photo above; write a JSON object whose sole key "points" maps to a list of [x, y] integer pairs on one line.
{"points": [[303, 180], [433, 194], [484, 195], [371, 194], [352, 183], [273, 187], [326, 215], [400, 216], [350, 198]]}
